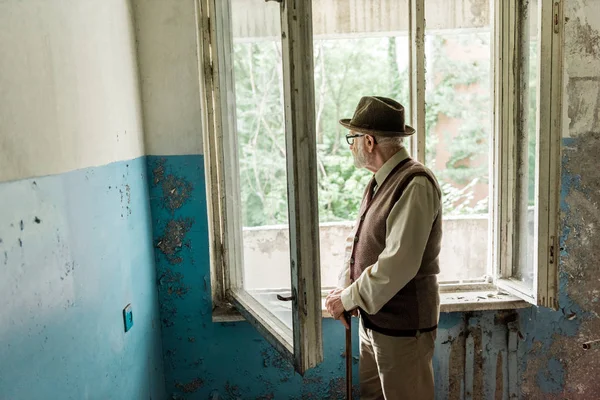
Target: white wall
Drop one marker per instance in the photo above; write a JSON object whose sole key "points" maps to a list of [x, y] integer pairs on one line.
{"points": [[582, 63], [69, 96], [168, 59]]}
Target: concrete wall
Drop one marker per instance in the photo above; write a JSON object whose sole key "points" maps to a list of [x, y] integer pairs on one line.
{"points": [[168, 61], [75, 244], [68, 95], [531, 354], [266, 252]]}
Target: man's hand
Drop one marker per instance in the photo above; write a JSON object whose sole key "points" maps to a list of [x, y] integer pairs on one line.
{"points": [[334, 306]]}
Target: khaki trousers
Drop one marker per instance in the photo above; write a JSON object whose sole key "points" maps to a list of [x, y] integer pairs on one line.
{"points": [[396, 368]]}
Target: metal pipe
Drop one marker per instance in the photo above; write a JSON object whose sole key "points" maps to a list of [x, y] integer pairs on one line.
{"points": [[593, 344]]}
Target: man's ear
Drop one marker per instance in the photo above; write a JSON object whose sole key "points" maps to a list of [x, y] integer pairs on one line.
{"points": [[370, 143]]}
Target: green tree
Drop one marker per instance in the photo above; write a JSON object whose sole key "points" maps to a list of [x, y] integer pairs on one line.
{"points": [[344, 71]]}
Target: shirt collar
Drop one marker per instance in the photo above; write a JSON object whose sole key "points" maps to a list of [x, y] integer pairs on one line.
{"points": [[390, 164]]}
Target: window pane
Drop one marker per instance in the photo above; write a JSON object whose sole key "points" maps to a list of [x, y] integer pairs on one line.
{"points": [[362, 48], [526, 138], [357, 53], [262, 158], [459, 120]]}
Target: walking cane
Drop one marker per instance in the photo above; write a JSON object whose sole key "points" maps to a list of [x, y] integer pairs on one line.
{"points": [[348, 357]]}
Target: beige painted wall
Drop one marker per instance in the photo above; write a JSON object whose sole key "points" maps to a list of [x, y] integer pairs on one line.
{"points": [[167, 50], [581, 61], [69, 96]]}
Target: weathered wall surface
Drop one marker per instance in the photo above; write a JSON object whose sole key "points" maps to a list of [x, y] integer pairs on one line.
{"points": [[202, 358], [231, 360], [168, 64], [75, 249], [554, 364], [69, 94], [75, 244]]}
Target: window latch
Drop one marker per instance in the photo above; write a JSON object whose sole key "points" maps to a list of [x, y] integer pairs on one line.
{"points": [[286, 298]]}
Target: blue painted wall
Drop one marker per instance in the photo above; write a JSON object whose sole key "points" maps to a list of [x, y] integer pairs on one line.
{"points": [[75, 249], [227, 360], [496, 355], [231, 360]]}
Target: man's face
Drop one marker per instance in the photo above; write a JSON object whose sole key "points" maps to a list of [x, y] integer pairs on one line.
{"points": [[359, 153]]}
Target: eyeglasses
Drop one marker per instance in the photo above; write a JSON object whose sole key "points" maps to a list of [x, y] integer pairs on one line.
{"points": [[350, 138]]}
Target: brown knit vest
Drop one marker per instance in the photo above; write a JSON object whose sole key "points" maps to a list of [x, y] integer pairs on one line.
{"points": [[416, 305]]}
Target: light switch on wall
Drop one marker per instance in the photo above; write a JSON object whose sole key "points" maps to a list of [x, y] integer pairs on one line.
{"points": [[128, 317]]}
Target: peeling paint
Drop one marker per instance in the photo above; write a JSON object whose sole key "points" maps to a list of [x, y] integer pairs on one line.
{"points": [[584, 102], [556, 364], [173, 239], [499, 389], [478, 367], [64, 290], [586, 38], [268, 396], [271, 358], [456, 369], [232, 391], [337, 389], [174, 282], [190, 387], [175, 190]]}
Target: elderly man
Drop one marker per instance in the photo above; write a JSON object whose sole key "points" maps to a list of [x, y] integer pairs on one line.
{"points": [[390, 272]]}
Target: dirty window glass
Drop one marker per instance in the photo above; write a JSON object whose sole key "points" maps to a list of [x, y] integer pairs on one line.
{"points": [[525, 205], [258, 72], [358, 53], [459, 120]]}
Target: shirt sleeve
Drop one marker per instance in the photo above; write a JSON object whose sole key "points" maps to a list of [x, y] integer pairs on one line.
{"points": [[407, 232], [344, 274]]}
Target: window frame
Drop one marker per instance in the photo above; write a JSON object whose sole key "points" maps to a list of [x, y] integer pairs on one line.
{"points": [[302, 345], [548, 118], [549, 124], [548, 134]]}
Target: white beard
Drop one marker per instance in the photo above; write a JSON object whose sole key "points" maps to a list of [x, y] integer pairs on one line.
{"points": [[360, 157]]}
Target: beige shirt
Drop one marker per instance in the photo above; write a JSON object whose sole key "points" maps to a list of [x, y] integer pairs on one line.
{"points": [[408, 228]]}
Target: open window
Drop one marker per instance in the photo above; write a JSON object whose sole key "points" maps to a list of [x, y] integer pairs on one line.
{"points": [[482, 82], [241, 96], [528, 103], [485, 99]]}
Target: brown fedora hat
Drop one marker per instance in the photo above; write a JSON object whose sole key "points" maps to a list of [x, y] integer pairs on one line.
{"points": [[379, 116]]}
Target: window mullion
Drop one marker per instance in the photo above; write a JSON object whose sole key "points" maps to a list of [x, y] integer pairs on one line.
{"points": [[301, 145], [520, 34], [213, 157], [417, 76], [226, 137], [503, 161], [548, 155], [511, 86], [554, 155]]}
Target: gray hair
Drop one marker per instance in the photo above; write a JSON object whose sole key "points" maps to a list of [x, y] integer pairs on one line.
{"points": [[391, 144]]}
